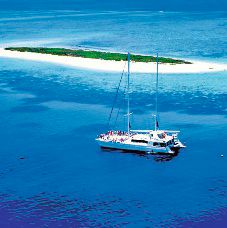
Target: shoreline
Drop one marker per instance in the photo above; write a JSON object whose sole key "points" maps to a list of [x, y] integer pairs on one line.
{"points": [[115, 66]]}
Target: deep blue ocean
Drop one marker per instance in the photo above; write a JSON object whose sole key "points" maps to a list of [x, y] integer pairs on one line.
{"points": [[52, 172]]}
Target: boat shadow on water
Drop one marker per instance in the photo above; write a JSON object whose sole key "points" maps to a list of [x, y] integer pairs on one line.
{"points": [[158, 157]]}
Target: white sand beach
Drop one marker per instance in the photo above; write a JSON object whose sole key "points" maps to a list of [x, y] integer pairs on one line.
{"points": [[115, 66]]}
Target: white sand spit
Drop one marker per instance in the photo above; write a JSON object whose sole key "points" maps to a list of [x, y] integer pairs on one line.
{"points": [[115, 66]]}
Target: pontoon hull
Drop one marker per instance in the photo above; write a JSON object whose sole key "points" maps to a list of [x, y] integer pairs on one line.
{"points": [[130, 147]]}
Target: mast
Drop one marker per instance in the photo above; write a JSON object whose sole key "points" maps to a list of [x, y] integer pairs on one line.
{"points": [[156, 98], [128, 111]]}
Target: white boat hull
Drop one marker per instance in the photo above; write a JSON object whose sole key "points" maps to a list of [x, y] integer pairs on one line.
{"points": [[133, 147]]}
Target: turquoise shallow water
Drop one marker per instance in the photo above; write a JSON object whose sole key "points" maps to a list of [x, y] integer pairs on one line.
{"points": [[177, 34], [52, 171]]}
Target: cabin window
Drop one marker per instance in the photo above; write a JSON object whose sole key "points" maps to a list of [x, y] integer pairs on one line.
{"points": [[163, 144], [161, 136], [155, 144], [139, 141]]}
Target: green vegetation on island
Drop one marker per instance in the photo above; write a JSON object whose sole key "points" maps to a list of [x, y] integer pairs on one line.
{"points": [[96, 54]]}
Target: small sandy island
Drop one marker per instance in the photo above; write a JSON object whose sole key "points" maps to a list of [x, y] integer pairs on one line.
{"points": [[115, 66]]}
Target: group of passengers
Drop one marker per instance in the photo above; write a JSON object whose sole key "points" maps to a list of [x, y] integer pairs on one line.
{"points": [[109, 136]]}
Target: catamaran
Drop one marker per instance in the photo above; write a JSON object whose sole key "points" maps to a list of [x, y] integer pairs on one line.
{"points": [[147, 141]]}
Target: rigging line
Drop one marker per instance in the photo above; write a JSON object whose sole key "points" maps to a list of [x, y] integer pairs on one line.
{"points": [[118, 111], [115, 98]]}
